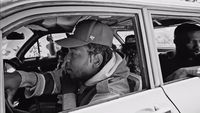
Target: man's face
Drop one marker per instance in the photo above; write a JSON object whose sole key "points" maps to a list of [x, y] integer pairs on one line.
{"points": [[78, 63], [194, 45]]}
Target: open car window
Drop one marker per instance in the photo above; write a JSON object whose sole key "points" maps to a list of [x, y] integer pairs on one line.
{"points": [[164, 27], [10, 47], [35, 54]]}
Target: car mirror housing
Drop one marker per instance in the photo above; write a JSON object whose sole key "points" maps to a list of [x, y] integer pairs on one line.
{"points": [[15, 36]]}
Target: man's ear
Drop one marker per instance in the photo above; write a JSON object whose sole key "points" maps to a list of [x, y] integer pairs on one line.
{"points": [[98, 59]]}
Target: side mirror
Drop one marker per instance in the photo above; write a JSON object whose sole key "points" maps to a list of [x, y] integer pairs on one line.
{"points": [[15, 36]]}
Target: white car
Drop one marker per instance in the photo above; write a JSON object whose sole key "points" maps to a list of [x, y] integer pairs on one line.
{"points": [[27, 25]]}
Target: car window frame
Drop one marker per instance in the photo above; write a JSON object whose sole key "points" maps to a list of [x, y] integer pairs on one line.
{"points": [[2, 95], [181, 13], [140, 30]]}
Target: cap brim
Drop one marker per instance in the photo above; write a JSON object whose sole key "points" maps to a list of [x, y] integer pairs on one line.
{"points": [[70, 42]]}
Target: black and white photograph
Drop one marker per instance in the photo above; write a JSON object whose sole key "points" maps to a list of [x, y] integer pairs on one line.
{"points": [[100, 56]]}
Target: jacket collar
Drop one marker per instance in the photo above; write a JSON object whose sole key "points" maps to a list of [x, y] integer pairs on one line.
{"points": [[106, 71]]}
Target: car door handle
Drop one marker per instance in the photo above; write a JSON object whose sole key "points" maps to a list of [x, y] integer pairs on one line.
{"points": [[155, 110], [163, 110]]}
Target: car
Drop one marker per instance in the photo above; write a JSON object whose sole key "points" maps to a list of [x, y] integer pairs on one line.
{"points": [[28, 28]]}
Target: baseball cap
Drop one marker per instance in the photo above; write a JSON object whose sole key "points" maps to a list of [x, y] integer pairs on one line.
{"points": [[130, 39], [88, 31]]}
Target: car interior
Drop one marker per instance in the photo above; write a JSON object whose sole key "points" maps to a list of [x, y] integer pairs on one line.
{"points": [[28, 48]]}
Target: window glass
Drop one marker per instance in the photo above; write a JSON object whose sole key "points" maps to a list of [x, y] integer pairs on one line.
{"points": [[32, 52], [124, 34], [10, 47], [47, 46], [164, 38]]}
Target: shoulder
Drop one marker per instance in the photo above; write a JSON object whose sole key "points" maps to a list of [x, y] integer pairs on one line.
{"points": [[167, 55], [116, 86], [120, 84]]}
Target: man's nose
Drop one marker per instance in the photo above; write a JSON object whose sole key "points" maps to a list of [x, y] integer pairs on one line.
{"points": [[66, 61], [196, 44], [67, 58]]}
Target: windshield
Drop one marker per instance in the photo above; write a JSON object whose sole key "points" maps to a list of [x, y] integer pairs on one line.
{"points": [[11, 47]]}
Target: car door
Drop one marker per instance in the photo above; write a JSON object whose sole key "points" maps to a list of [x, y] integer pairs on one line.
{"points": [[149, 101], [184, 92]]}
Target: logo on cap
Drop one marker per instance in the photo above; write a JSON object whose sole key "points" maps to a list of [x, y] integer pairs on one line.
{"points": [[91, 37]]}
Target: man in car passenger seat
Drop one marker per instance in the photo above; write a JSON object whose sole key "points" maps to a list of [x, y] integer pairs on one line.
{"points": [[187, 54], [92, 72], [129, 49]]}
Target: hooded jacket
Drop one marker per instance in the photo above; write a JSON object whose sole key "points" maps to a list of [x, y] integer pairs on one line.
{"points": [[112, 81]]}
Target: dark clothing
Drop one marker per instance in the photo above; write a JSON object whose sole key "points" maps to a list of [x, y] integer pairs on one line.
{"points": [[170, 62]]}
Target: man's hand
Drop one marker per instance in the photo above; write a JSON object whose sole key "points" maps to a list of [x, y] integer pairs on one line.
{"points": [[68, 85], [69, 90], [11, 84], [184, 72]]}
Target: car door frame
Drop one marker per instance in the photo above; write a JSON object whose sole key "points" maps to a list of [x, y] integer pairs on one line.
{"points": [[176, 13], [114, 10], [173, 88], [2, 101]]}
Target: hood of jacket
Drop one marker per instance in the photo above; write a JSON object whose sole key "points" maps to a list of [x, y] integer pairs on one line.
{"points": [[116, 67]]}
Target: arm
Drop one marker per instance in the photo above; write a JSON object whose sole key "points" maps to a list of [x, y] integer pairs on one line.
{"points": [[13, 81], [52, 83], [35, 84], [47, 83], [184, 72]]}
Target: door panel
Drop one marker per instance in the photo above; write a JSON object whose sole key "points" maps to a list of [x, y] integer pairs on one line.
{"points": [[149, 101], [185, 95]]}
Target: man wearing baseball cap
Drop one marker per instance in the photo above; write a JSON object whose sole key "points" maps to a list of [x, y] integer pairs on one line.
{"points": [[92, 71]]}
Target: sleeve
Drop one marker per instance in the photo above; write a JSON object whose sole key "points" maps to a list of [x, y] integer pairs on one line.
{"points": [[47, 83], [135, 82]]}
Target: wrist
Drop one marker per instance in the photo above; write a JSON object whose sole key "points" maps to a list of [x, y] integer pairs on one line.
{"points": [[17, 75], [193, 70], [28, 79]]}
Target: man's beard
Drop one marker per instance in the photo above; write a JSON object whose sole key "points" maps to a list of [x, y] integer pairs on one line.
{"points": [[196, 53]]}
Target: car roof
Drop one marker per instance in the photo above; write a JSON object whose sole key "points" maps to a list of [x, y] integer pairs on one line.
{"points": [[11, 6]]}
